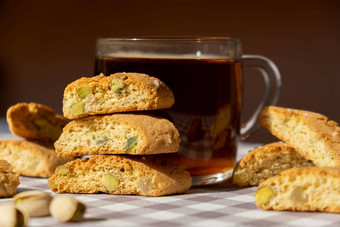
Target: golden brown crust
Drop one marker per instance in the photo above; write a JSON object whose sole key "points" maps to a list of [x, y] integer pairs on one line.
{"points": [[34, 121], [314, 136], [267, 161], [313, 171], [5, 167], [108, 134], [141, 92], [9, 180], [304, 189], [142, 175], [30, 159]]}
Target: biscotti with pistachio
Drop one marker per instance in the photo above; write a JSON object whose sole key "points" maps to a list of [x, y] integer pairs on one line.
{"points": [[134, 134], [313, 135], [35, 121], [301, 189], [267, 161], [30, 158], [121, 174], [120, 92]]}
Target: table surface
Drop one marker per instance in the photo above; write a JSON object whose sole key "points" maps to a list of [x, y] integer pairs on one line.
{"points": [[219, 205]]}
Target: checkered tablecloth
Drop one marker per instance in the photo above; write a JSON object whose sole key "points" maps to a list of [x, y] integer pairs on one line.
{"points": [[201, 206], [212, 206]]}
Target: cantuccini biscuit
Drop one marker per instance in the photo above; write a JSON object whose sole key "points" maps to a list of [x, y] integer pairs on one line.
{"points": [[121, 174], [35, 122], [118, 134], [120, 92], [9, 180], [314, 136], [301, 189], [30, 159], [267, 161]]}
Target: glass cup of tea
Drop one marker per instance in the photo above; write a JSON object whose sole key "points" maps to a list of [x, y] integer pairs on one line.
{"points": [[205, 75]]}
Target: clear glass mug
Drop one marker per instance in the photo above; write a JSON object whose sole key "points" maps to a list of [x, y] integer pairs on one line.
{"points": [[205, 75]]}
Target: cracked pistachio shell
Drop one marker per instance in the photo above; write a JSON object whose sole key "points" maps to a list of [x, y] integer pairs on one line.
{"points": [[35, 202], [13, 216], [67, 208]]}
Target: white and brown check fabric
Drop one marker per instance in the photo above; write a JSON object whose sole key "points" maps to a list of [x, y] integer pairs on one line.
{"points": [[215, 206]]}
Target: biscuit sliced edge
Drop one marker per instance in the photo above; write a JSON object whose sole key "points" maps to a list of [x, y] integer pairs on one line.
{"points": [[119, 92], [267, 161], [313, 135], [133, 134], [301, 189], [29, 158], [121, 174]]}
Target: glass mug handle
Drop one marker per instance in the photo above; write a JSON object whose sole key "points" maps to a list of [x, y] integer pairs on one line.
{"points": [[272, 80]]}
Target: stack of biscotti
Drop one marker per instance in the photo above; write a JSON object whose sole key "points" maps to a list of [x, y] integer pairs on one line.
{"points": [[39, 126], [125, 147], [315, 138]]}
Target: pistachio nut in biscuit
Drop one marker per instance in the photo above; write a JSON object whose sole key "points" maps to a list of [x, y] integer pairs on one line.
{"points": [[35, 121], [29, 158], [267, 161], [133, 134], [120, 92], [301, 189], [121, 174]]}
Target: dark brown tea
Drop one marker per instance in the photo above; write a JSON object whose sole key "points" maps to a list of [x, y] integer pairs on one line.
{"points": [[206, 110]]}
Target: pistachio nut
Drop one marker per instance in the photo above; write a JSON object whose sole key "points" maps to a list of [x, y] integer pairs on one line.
{"points": [[83, 92], [102, 139], [117, 85], [263, 195], [35, 202], [131, 143], [77, 108], [13, 216], [41, 123], [67, 208], [298, 195], [145, 185], [255, 180], [62, 170], [110, 182]]}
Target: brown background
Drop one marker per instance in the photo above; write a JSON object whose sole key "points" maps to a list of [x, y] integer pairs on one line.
{"points": [[44, 45]]}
